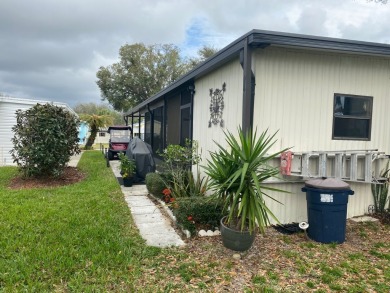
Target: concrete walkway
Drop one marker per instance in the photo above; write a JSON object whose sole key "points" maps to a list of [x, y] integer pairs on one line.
{"points": [[74, 160], [153, 226]]}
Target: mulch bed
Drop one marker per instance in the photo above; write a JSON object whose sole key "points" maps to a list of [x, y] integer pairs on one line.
{"points": [[384, 218], [273, 255], [71, 175]]}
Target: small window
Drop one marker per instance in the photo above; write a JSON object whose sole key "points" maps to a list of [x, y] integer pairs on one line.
{"points": [[352, 116], [102, 134]]}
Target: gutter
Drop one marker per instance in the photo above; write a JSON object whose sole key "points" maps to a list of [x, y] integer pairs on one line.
{"points": [[34, 102], [263, 39]]}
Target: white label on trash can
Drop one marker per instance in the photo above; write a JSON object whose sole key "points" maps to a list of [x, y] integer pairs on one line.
{"points": [[326, 197]]}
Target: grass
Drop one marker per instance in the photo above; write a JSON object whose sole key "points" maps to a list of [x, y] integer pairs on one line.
{"points": [[81, 238]]}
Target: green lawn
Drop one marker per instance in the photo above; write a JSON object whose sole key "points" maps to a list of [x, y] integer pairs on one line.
{"points": [[79, 237]]}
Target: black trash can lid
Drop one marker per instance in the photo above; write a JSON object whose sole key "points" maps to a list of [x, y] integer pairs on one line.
{"points": [[327, 183]]}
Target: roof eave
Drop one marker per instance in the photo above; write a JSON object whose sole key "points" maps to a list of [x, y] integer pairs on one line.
{"points": [[265, 38], [262, 39], [223, 56], [7, 99]]}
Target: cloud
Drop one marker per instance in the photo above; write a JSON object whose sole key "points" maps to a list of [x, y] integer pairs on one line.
{"points": [[53, 49]]}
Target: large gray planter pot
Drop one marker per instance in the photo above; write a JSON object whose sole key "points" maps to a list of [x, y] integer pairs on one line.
{"points": [[236, 240]]}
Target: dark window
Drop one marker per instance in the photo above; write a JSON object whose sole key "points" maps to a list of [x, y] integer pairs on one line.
{"points": [[352, 116], [157, 130], [185, 119], [102, 134], [148, 128]]}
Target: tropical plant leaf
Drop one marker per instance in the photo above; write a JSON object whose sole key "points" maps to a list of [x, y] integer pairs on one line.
{"points": [[237, 175]]}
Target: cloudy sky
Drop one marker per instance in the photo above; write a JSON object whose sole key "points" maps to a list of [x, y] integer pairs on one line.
{"points": [[52, 49]]}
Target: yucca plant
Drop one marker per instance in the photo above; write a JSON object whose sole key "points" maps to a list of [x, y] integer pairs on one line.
{"points": [[380, 192], [237, 174]]}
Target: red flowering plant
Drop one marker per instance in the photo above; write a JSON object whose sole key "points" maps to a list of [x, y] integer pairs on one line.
{"points": [[168, 195], [196, 213]]}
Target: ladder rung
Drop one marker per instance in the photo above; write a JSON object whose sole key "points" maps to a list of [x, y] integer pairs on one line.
{"points": [[338, 166], [368, 160], [322, 165], [368, 168], [353, 167], [305, 165]]}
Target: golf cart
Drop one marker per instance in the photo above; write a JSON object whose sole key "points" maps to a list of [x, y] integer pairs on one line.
{"points": [[119, 141]]}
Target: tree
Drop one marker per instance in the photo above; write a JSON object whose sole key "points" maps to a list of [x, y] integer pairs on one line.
{"points": [[102, 109], [203, 54], [95, 122], [141, 72], [45, 137]]}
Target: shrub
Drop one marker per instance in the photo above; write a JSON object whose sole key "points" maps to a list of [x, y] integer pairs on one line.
{"points": [[178, 161], [127, 167], [196, 186], [198, 211], [167, 177], [155, 184], [45, 137]]}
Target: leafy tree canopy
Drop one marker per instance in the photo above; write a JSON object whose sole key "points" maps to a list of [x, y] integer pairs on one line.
{"points": [[143, 71], [203, 54], [99, 109]]}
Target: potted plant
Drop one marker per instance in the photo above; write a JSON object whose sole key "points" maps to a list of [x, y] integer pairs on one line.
{"points": [[127, 168], [236, 175]]}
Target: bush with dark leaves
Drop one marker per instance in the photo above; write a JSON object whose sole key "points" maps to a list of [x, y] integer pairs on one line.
{"points": [[45, 137]]}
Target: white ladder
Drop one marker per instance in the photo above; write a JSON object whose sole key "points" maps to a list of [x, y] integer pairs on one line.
{"points": [[349, 165]]}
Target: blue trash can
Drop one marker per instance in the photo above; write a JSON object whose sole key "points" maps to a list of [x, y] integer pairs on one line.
{"points": [[327, 200]]}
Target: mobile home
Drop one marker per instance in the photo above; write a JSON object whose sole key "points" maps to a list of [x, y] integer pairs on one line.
{"points": [[327, 98]]}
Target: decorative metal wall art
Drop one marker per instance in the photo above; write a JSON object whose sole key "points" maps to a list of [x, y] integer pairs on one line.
{"points": [[216, 106]]}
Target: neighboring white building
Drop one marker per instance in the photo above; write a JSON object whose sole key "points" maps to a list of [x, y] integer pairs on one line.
{"points": [[8, 107], [102, 136]]}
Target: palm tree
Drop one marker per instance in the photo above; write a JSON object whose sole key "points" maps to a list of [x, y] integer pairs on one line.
{"points": [[95, 122]]}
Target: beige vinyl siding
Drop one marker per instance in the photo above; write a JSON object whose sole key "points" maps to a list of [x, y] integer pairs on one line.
{"points": [[231, 74], [295, 90], [294, 94], [293, 207]]}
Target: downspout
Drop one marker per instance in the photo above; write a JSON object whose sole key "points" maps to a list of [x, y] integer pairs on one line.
{"points": [[164, 124], [139, 125], [191, 88], [248, 87], [132, 125]]}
